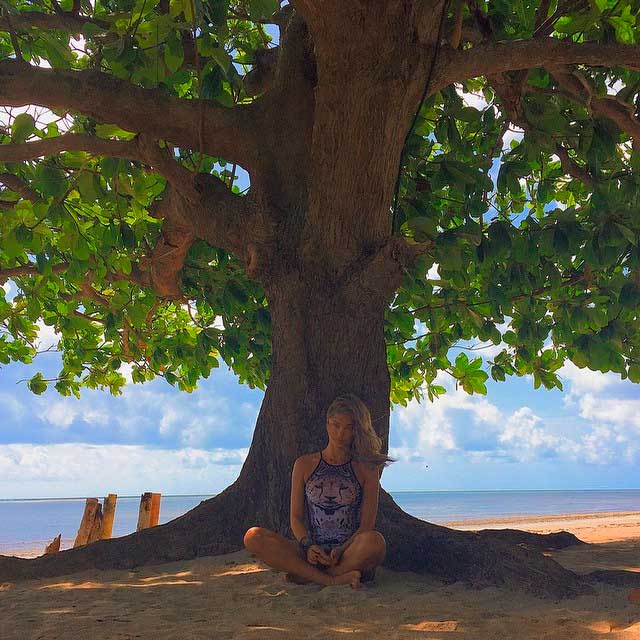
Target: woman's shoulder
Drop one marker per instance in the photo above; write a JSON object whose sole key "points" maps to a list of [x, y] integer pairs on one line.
{"points": [[308, 458], [366, 469]]}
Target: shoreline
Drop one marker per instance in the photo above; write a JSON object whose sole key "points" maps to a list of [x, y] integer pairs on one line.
{"points": [[605, 526]]}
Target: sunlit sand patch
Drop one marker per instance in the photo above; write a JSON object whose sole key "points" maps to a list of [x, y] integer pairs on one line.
{"points": [[432, 625], [164, 576], [631, 630], [67, 586], [166, 583], [64, 586], [601, 626], [58, 611], [246, 568]]}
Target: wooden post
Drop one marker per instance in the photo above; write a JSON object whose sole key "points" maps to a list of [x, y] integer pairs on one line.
{"points": [[53, 546], [86, 524], [144, 516], [155, 509], [96, 526], [108, 515]]}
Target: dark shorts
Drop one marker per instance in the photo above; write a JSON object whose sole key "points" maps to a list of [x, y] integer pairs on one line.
{"points": [[366, 576]]}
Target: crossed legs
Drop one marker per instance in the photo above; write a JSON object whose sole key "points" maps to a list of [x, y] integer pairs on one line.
{"points": [[365, 552]]}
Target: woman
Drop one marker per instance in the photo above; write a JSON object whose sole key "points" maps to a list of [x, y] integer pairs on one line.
{"points": [[337, 489]]}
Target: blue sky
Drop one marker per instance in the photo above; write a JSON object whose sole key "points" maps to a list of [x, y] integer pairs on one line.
{"points": [[155, 438]]}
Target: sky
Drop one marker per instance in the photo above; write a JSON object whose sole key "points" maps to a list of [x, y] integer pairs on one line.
{"points": [[155, 438]]}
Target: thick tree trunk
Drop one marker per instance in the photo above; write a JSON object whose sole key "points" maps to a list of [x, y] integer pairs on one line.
{"points": [[323, 345]]}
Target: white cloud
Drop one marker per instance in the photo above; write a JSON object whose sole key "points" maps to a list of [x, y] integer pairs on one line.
{"points": [[525, 437], [48, 337], [60, 414], [62, 469], [431, 426], [585, 380], [620, 411], [473, 427]]}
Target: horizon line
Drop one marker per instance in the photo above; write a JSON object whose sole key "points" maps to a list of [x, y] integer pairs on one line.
{"points": [[212, 495]]}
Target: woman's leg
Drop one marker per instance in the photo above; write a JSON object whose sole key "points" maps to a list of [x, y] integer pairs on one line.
{"points": [[365, 552], [282, 554]]}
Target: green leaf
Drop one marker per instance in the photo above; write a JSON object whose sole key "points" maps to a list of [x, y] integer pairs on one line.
{"points": [[37, 384], [262, 9], [174, 51], [49, 180], [23, 126]]}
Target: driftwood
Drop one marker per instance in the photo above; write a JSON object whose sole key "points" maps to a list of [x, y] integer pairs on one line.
{"points": [[96, 526], [108, 514], [86, 524], [155, 509], [53, 546], [144, 516]]}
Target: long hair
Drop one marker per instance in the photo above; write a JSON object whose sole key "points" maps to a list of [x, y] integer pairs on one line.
{"points": [[366, 444]]}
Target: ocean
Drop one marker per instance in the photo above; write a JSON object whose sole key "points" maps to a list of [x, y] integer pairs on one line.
{"points": [[29, 524]]}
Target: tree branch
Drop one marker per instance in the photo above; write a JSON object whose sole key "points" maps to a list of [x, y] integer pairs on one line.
{"points": [[64, 21], [228, 132], [380, 274], [620, 112], [499, 57], [19, 186], [572, 168], [28, 270], [69, 142]]}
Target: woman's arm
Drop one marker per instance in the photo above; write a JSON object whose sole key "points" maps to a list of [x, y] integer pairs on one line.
{"points": [[296, 509]]}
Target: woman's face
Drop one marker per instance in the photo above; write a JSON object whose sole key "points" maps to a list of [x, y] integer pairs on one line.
{"points": [[340, 429]]}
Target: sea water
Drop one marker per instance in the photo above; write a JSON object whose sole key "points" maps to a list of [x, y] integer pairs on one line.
{"points": [[31, 524]]}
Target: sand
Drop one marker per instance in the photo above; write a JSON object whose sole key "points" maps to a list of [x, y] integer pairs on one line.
{"points": [[235, 596]]}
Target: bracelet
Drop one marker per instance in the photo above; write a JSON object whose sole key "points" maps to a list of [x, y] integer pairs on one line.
{"points": [[305, 543]]}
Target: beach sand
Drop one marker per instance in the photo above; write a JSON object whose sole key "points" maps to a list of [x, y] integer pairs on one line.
{"points": [[236, 597]]}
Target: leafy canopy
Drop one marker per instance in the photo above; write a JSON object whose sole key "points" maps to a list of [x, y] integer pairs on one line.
{"points": [[531, 208]]}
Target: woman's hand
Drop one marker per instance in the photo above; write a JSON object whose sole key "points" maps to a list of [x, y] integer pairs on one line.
{"points": [[316, 554], [335, 555]]}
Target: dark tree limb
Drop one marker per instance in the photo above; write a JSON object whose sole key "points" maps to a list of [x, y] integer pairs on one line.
{"points": [[28, 270], [19, 152], [68, 21], [572, 168], [228, 132], [499, 57], [622, 113], [18, 185]]}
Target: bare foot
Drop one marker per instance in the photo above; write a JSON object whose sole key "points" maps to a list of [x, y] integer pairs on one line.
{"points": [[296, 579], [350, 577]]}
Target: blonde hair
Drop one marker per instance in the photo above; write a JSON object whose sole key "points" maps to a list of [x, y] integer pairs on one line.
{"points": [[366, 444]]}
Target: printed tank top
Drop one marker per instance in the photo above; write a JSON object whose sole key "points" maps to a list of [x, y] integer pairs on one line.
{"points": [[333, 497]]}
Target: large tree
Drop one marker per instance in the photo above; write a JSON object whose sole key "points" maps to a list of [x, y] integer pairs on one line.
{"points": [[123, 227]]}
